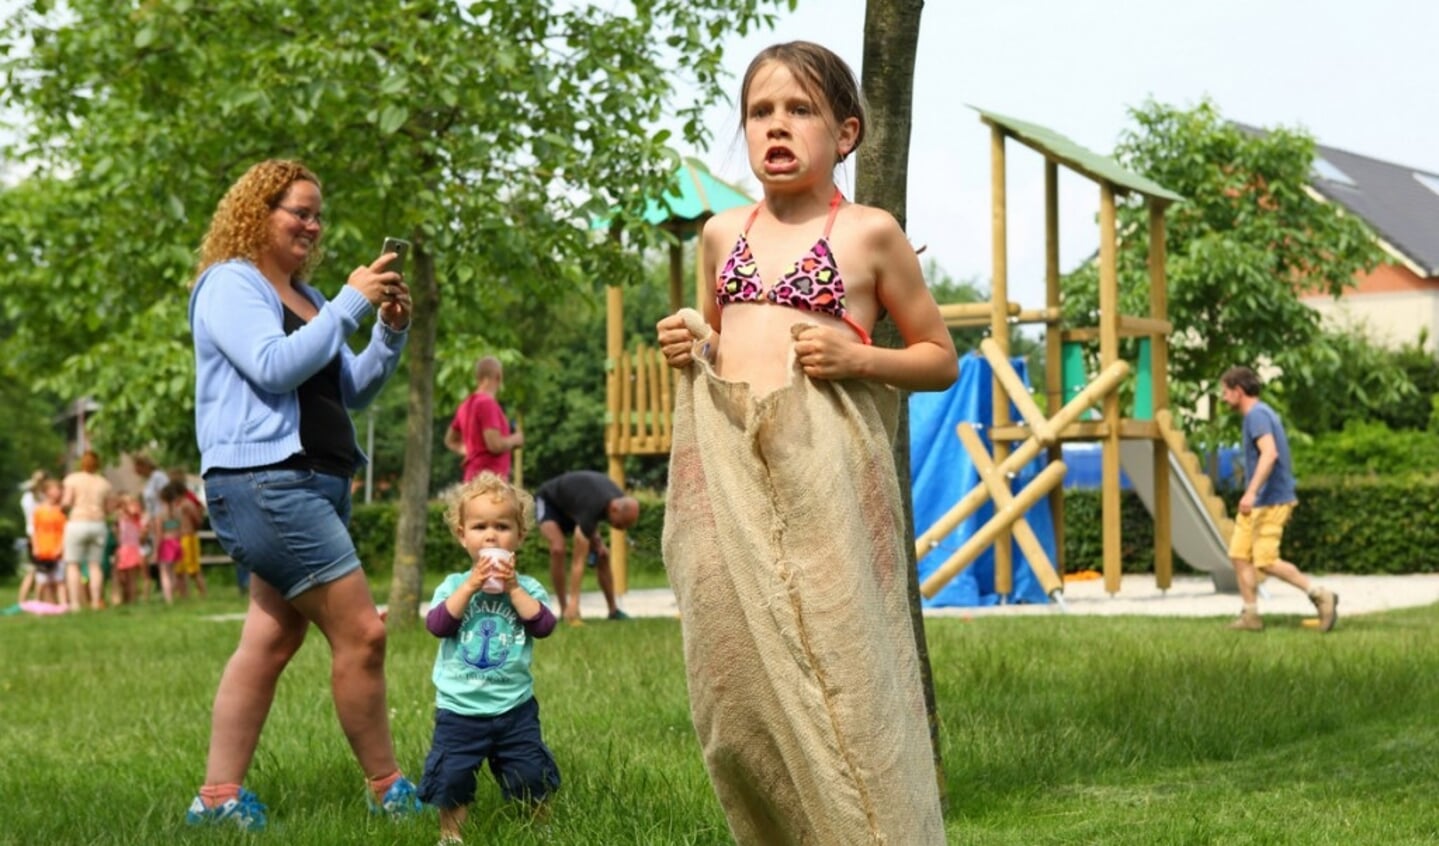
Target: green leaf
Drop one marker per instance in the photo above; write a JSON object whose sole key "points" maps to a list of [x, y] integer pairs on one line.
{"points": [[392, 117]]}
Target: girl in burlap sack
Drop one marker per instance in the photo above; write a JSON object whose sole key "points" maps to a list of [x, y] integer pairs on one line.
{"points": [[783, 531]]}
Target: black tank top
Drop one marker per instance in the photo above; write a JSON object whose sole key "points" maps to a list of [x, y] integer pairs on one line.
{"points": [[327, 437]]}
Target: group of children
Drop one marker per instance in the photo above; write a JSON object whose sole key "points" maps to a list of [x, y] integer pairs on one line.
{"points": [[141, 549]]}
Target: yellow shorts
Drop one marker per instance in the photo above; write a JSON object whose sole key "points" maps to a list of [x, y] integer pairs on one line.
{"points": [[1257, 534], [189, 563]]}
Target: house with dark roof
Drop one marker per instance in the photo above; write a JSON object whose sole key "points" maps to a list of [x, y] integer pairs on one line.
{"points": [[1399, 299]]}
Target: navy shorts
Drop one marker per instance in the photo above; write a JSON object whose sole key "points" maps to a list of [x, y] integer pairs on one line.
{"points": [[519, 760], [289, 527]]}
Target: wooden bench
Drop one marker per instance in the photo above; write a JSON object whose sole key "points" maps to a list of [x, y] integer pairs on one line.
{"points": [[207, 539]]}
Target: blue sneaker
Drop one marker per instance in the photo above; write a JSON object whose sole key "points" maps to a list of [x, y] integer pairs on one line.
{"points": [[401, 800], [245, 811]]}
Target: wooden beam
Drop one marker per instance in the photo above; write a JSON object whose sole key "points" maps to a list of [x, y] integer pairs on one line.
{"points": [[999, 331], [1017, 392], [1108, 355], [1159, 391]]}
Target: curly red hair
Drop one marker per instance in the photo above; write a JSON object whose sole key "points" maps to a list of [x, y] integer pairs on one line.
{"points": [[240, 227]]}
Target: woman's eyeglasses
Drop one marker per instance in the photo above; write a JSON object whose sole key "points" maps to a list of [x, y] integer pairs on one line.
{"points": [[305, 216]]}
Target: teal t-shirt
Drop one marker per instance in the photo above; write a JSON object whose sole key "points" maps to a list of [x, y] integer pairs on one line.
{"points": [[484, 668]]}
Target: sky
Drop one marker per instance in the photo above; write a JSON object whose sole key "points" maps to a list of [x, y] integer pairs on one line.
{"points": [[1356, 76]]}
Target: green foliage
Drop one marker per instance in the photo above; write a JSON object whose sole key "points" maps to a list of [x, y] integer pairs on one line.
{"points": [[1244, 242], [1364, 449], [1346, 378], [1084, 538], [1413, 410]]}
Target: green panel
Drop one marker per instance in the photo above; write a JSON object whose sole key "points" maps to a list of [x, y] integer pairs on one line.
{"points": [[694, 194], [1144, 384], [1081, 159], [1072, 375]]}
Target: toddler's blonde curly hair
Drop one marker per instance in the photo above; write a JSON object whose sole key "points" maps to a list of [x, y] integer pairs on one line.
{"points": [[497, 489]]}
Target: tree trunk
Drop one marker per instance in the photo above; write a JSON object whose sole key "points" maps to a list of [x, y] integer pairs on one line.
{"points": [[419, 436], [891, 38]]}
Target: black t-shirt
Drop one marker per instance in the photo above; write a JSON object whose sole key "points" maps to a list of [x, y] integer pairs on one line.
{"points": [[583, 496], [327, 437]]}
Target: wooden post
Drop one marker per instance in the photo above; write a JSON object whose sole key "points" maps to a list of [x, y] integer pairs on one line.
{"points": [[1159, 381], [1109, 354], [1014, 390], [999, 332], [700, 264], [1053, 372], [677, 272], [614, 392]]}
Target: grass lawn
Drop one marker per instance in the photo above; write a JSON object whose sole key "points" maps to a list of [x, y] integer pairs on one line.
{"points": [[1056, 730]]}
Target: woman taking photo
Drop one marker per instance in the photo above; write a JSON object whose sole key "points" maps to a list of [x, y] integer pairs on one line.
{"points": [[274, 380]]}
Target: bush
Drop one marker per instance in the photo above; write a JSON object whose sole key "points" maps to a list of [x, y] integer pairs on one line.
{"points": [[1358, 525], [1363, 448]]}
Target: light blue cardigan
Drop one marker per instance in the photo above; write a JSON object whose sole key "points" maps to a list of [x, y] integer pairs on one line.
{"points": [[247, 411]]}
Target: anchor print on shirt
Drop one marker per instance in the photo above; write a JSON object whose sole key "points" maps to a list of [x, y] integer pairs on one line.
{"points": [[482, 659]]}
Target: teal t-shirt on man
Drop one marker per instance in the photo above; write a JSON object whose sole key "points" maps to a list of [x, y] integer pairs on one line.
{"points": [[484, 669]]}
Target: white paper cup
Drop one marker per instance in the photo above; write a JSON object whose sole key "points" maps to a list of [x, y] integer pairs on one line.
{"points": [[499, 556]]}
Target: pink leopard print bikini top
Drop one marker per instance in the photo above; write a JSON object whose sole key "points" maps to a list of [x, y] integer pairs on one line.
{"points": [[811, 284]]}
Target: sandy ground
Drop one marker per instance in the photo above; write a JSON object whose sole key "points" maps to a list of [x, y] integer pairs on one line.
{"points": [[1188, 596]]}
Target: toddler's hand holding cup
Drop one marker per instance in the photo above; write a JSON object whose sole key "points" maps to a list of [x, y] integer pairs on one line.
{"points": [[495, 557]]}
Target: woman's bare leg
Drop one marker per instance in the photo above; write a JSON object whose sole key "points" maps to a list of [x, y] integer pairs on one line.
{"points": [[345, 612], [273, 632]]}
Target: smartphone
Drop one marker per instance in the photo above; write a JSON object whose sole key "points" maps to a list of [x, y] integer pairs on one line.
{"points": [[400, 248]]}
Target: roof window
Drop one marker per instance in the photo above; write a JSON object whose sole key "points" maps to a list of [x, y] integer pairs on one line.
{"points": [[1326, 170], [1428, 180]]}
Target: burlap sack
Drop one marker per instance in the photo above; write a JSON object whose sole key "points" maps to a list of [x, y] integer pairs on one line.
{"points": [[783, 540]]}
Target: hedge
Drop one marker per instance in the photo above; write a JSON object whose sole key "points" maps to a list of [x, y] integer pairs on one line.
{"points": [[1356, 525]]}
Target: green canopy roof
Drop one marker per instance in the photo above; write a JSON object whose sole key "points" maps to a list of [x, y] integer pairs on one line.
{"points": [[694, 194], [1080, 159]]}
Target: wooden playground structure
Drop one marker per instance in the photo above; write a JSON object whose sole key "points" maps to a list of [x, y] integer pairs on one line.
{"points": [[639, 385], [1034, 432]]}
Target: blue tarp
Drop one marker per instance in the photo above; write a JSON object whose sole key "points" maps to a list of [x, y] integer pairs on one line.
{"points": [[941, 473]]}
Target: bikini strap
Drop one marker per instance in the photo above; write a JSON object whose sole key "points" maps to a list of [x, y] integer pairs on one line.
{"points": [[833, 211], [752, 215]]}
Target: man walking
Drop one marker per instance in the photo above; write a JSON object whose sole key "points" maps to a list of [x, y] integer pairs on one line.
{"points": [[480, 432], [1266, 506]]}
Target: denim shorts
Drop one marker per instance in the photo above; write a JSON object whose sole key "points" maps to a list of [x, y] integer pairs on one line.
{"points": [[519, 759], [289, 527]]}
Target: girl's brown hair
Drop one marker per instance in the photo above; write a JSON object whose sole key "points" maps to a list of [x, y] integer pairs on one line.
{"points": [[240, 228], [827, 78]]}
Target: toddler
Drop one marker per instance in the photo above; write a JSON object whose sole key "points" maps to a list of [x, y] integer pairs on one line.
{"points": [[487, 618]]}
